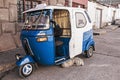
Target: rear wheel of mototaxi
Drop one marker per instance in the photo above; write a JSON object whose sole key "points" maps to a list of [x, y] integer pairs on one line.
{"points": [[89, 52], [26, 70]]}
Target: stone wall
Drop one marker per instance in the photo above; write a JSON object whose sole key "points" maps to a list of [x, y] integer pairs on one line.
{"points": [[54, 2], [9, 28], [9, 34]]}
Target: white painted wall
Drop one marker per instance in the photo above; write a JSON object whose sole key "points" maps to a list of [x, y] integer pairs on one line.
{"points": [[91, 11], [107, 12], [119, 5], [104, 14], [117, 15]]}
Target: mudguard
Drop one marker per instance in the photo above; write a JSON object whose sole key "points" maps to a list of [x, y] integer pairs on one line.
{"points": [[90, 43], [24, 60]]}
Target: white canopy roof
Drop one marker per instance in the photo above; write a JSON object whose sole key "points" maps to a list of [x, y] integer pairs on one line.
{"points": [[44, 6]]}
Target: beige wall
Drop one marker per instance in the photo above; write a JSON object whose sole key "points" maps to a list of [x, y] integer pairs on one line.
{"points": [[9, 34]]}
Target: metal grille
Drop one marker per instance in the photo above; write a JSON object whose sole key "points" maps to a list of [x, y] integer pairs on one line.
{"points": [[20, 10], [23, 5]]}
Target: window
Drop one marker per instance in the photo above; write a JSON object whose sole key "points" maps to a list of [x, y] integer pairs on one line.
{"points": [[37, 20], [88, 17], [62, 18], [23, 5], [80, 20], [20, 10]]}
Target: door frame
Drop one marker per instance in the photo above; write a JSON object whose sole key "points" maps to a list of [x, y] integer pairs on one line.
{"points": [[76, 42], [100, 17]]}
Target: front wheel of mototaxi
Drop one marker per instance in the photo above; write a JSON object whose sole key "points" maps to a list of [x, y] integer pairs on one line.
{"points": [[26, 70], [25, 65]]}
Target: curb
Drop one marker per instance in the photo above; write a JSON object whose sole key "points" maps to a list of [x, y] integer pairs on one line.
{"points": [[8, 61], [4, 69], [100, 32], [113, 28], [104, 30]]}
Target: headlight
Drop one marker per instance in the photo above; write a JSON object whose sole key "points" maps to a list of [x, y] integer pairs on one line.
{"points": [[18, 56], [41, 39]]}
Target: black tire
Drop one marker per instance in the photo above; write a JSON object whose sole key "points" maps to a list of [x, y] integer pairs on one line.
{"points": [[89, 52], [26, 73]]}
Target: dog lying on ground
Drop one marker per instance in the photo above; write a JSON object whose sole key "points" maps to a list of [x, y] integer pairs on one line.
{"points": [[75, 61]]}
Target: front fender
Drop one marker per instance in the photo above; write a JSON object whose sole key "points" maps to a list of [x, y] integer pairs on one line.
{"points": [[24, 60], [90, 43]]}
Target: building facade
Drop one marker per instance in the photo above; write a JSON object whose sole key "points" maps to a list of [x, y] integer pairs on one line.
{"points": [[81, 3], [27, 4], [102, 14], [11, 18]]}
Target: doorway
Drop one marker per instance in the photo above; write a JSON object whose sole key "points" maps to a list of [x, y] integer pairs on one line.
{"points": [[62, 32], [113, 18], [98, 18]]}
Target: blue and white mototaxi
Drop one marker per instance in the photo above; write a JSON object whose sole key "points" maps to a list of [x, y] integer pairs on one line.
{"points": [[53, 34]]}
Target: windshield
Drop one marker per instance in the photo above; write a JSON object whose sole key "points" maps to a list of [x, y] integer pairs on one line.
{"points": [[37, 20]]}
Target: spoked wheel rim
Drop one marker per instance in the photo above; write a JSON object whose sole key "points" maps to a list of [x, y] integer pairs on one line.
{"points": [[27, 69]]}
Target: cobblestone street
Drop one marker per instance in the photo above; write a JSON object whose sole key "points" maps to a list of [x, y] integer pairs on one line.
{"points": [[104, 65]]}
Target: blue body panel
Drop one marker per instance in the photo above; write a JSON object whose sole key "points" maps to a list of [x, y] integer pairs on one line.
{"points": [[87, 40], [24, 60], [43, 52]]}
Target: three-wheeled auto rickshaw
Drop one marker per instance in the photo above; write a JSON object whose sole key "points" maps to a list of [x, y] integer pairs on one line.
{"points": [[53, 34]]}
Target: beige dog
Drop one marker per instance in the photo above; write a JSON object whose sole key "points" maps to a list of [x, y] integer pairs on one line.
{"points": [[78, 61], [75, 61]]}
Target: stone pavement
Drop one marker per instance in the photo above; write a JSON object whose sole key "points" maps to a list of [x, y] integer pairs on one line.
{"points": [[7, 58], [105, 29]]}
